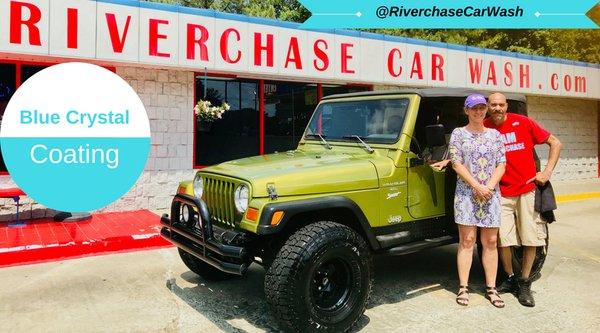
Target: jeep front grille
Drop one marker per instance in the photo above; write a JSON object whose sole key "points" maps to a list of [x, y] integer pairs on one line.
{"points": [[218, 195]]}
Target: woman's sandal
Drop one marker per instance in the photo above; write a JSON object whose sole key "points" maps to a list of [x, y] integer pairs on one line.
{"points": [[463, 290], [491, 291]]}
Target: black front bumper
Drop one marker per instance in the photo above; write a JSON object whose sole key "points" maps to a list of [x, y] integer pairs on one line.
{"points": [[222, 249]]}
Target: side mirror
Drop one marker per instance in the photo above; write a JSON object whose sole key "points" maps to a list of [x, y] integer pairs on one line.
{"points": [[435, 135]]}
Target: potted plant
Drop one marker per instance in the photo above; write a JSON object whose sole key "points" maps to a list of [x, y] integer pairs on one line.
{"points": [[206, 114]]}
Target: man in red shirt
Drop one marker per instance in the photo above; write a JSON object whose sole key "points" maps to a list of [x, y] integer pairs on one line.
{"points": [[520, 135]]}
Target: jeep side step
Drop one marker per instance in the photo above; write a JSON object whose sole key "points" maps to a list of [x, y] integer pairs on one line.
{"points": [[420, 245]]}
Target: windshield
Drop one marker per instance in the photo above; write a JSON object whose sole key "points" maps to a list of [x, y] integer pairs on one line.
{"points": [[376, 121]]}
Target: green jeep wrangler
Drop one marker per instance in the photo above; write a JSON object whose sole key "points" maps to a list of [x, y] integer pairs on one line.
{"points": [[358, 185]]}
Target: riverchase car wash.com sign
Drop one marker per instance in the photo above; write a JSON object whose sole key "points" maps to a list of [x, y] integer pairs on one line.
{"points": [[133, 32]]}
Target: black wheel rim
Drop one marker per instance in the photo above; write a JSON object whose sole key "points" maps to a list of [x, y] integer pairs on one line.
{"points": [[330, 286]]}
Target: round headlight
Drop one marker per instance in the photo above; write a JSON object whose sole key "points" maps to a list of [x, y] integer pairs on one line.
{"points": [[240, 197], [198, 186]]}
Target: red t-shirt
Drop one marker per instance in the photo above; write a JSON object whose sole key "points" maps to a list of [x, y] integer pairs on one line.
{"points": [[520, 134]]}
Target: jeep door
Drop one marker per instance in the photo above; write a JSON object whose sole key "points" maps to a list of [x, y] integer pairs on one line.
{"points": [[431, 192]]}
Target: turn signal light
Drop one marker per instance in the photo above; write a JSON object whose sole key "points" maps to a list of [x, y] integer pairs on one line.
{"points": [[276, 218], [252, 214]]}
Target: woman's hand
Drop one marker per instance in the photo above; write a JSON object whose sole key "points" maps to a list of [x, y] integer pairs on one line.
{"points": [[439, 166], [482, 192]]}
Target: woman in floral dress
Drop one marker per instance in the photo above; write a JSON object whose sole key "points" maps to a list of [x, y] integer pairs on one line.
{"points": [[478, 157]]}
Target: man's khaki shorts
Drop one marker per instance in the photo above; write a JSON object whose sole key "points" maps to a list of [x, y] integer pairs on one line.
{"points": [[520, 224]]}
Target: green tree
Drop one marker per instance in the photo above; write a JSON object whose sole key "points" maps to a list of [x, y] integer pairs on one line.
{"points": [[285, 10], [277, 9]]}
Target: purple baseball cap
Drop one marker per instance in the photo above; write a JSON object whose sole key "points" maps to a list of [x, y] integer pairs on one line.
{"points": [[474, 99]]}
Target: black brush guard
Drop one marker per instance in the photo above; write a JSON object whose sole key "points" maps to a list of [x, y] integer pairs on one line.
{"points": [[217, 247]]}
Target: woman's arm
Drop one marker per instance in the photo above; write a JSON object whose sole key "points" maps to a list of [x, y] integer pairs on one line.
{"points": [[496, 176], [500, 163]]}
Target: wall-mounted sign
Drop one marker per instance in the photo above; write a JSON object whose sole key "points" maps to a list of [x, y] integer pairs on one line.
{"points": [[147, 33]]}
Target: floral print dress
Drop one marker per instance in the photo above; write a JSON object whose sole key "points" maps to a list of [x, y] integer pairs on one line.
{"points": [[480, 153]]}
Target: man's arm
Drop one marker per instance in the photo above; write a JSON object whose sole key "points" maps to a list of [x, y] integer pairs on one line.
{"points": [[555, 147]]}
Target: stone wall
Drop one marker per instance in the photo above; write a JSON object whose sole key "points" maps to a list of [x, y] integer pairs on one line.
{"points": [[575, 123], [168, 97]]}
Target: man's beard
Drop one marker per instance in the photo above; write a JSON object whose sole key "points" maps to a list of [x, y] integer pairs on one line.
{"points": [[497, 117]]}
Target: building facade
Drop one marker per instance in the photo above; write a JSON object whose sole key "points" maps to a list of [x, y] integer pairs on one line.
{"points": [[272, 74]]}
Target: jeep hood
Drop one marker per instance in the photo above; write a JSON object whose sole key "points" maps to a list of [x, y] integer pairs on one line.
{"points": [[301, 173]]}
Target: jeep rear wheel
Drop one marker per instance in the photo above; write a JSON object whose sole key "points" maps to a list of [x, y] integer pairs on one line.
{"points": [[203, 269], [540, 257], [321, 279], [517, 260]]}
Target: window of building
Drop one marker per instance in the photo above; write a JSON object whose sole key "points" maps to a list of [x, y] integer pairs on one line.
{"points": [[28, 71], [8, 85], [234, 136], [288, 108], [9, 82]]}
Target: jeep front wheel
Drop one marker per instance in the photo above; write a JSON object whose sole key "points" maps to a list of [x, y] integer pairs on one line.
{"points": [[321, 279]]}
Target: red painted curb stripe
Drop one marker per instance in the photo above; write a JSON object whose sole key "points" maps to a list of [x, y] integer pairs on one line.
{"points": [[45, 240]]}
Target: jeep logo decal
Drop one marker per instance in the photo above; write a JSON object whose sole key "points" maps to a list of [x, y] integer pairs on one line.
{"points": [[394, 219]]}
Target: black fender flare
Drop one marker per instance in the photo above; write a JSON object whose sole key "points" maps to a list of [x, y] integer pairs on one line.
{"points": [[292, 208]]}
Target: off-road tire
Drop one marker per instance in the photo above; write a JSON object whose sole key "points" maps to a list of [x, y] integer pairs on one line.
{"points": [[301, 268], [203, 269], [538, 263]]}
